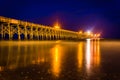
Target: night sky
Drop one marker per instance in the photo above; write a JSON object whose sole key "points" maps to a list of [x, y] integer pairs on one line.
{"points": [[95, 15]]}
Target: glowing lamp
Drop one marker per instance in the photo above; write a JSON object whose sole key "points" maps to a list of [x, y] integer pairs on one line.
{"points": [[95, 35], [98, 35], [88, 32], [80, 32], [57, 25]]}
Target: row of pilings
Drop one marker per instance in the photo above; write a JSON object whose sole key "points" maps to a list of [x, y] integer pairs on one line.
{"points": [[11, 29]]}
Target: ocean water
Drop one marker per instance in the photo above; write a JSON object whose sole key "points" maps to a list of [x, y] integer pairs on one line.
{"points": [[60, 60]]}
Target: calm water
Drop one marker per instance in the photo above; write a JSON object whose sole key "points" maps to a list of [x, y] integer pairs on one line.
{"points": [[60, 60]]}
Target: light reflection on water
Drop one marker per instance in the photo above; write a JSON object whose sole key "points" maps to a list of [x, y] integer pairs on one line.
{"points": [[92, 55], [20, 54], [57, 58], [88, 54], [80, 55], [23, 54]]}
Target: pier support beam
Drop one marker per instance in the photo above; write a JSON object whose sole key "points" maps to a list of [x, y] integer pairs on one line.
{"points": [[18, 29]]}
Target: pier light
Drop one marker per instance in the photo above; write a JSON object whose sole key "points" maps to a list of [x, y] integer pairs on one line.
{"points": [[57, 25], [89, 32], [80, 32], [98, 35], [95, 35], [91, 35]]}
